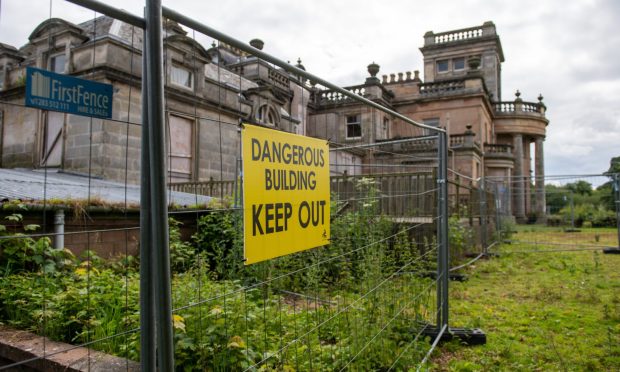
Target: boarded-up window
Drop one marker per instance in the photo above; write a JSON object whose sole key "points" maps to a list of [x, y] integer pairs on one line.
{"points": [[433, 122], [383, 129], [180, 148], [51, 149]]}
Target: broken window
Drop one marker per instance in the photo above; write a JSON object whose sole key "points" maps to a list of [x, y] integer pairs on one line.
{"points": [[354, 126]]}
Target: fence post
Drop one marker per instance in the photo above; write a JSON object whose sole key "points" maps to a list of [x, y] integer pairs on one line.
{"points": [[482, 199], [616, 191], [158, 197], [498, 220], [147, 305], [617, 201], [572, 212], [442, 330], [457, 202], [442, 233]]}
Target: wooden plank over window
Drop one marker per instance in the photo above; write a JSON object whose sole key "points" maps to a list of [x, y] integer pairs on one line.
{"points": [[180, 148], [52, 129]]}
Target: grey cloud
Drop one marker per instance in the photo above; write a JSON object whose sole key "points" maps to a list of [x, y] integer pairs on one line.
{"points": [[565, 50]]}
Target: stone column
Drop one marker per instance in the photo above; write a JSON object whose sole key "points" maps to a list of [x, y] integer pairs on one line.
{"points": [[539, 166], [518, 186]]}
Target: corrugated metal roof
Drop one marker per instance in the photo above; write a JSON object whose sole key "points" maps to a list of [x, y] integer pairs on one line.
{"points": [[38, 185]]}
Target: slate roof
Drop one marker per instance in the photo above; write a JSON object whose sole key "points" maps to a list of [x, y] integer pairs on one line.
{"points": [[36, 185], [105, 26]]}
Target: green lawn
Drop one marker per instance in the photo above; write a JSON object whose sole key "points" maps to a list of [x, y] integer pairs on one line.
{"points": [[551, 311]]}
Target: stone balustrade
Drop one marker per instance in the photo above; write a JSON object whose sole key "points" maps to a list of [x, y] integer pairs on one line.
{"points": [[518, 107], [401, 77], [442, 87], [531, 107], [464, 34], [456, 140], [414, 145], [465, 140], [487, 29], [279, 78], [330, 97], [494, 148], [255, 69], [420, 145], [237, 69], [501, 107]]}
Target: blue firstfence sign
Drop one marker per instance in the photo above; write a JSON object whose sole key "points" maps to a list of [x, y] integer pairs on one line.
{"points": [[51, 91]]}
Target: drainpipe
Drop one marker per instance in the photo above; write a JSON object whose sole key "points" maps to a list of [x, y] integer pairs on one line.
{"points": [[59, 229]]}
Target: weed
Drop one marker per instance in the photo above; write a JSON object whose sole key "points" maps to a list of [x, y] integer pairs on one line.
{"points": [[538, 316], [225, 324]]}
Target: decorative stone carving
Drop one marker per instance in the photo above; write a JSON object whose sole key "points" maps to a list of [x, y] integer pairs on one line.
{"points": [[257, 43], [373, 70], [473, 62]]}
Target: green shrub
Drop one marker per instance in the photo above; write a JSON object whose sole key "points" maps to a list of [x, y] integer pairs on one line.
{"points": [[218, 239], [460, 237], [554, 220], [225, 325], [603, 217], [182, 254], [508, 227], [19, 252], [597, 215]]}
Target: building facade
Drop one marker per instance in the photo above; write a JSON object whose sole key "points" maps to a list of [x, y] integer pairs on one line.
{"points": [[210, 90]]}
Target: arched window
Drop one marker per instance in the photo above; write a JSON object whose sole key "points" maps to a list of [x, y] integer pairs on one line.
{"points": [[267, 115]]}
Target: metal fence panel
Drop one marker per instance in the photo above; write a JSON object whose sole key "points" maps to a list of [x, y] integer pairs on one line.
{"points": [[368, 300]]}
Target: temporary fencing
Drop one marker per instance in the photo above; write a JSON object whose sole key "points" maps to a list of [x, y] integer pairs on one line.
{"points": [[370, 299], [584, 206]]}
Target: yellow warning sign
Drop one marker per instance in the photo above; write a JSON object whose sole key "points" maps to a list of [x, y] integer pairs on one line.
{"points": [[285, 193]]}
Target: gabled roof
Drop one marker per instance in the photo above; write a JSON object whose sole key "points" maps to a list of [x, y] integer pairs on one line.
{"points": [[193, 45], [10, 51], [105, 26], [51, 23]]}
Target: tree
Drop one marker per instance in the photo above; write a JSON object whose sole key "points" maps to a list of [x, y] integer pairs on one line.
{"points": [[554, 195], [580, 187], [607, 190], [614, 166]]}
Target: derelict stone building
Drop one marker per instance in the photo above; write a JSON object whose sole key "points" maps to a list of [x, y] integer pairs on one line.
{"points": [[461, 93], [209, 90]]}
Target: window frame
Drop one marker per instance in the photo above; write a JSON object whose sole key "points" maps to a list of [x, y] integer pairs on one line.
{"points": [[385, 129], [177, 67], [356, 123], [172, 174], [454, 60], [433, 122], [49, 141], [440, 62], [52, 62]]}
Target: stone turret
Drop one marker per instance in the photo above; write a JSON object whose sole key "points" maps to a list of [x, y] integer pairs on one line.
{"points": [[455, 54]]}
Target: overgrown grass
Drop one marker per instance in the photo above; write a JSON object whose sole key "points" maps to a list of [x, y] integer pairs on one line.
{"points": [[544, 311], [357, 304]]}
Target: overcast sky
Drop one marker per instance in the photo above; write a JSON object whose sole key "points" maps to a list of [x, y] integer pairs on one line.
{"points": [[567, 50]]}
